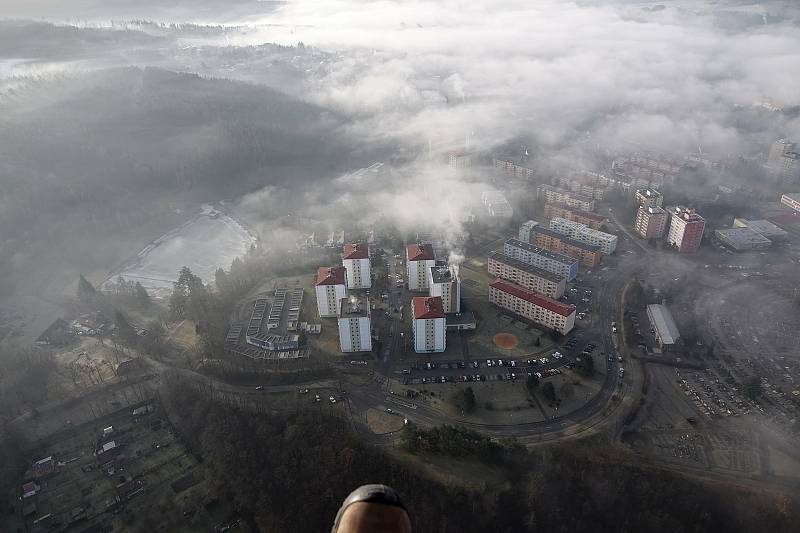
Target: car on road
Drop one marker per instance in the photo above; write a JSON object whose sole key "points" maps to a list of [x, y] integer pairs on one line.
{"points": [[317, 398], [303, 391], [406, 371], [461, 364], [538, 375], [389, 411], [619, 358], [260, 387], [543, 361], [613, 327], [332, 399]]}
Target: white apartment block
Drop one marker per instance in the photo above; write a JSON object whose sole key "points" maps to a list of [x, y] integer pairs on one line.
{"points": [[532, 306], [525, 229], [355, 260], [419, 259], [429, 326], [496, 204], [784, 160], [443, 281], [525, 275], [556, 263], [649, 198], [650, 222], [583, 233], [355, 330], [556, 195], [791, 200], [686, 229], [330, 288], [459, 161]]}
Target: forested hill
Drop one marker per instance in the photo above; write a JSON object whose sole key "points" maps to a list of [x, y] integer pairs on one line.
{"points": [[86, 159], [292, 471]]}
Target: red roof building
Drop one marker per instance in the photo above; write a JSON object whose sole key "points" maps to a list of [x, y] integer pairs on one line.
{"points": [[532, 305], [331, 275], [356, 251], [427, 307], [420, 252]]}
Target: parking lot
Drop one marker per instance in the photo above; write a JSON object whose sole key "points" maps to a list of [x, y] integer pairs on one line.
{"points": [[551, 364]]}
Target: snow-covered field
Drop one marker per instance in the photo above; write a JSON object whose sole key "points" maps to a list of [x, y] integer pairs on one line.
{"points": [[203, 245]]}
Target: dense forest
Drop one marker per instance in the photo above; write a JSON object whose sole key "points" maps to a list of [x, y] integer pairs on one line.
{"points": [[291, 471]]}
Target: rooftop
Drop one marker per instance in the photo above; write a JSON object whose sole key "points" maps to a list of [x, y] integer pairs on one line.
{"points": [[565, 239], [525, 267], [764, 227], [648, 193], [689, 215], [663, 323], [459, 319], [355, 306], [565, 192], [356, 251], [534, 297], [561, 258], [268, 337], [442, 274], [654, 210], [330, 275], [743, 238], [426, 307], [420, 252], [586, 214]]}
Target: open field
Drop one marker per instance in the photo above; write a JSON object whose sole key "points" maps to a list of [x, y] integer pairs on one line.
{"points": [[210, 241], [122, 471]]}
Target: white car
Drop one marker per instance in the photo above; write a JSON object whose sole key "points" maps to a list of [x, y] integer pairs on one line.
{"points": [[332, 399], [543, 360]]}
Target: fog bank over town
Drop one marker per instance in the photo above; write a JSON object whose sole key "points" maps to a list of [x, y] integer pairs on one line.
{"points": [[534, 265]]}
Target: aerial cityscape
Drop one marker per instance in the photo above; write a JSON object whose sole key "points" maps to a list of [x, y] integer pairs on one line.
{"points": [[525, 267]]}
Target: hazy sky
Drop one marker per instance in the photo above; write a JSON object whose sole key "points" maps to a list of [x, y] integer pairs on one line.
{"points": [[409, 72], [552, 68], [549, 69]]}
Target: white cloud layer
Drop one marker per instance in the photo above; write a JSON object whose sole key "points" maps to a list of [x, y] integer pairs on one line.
{"points": [[550, 69]]}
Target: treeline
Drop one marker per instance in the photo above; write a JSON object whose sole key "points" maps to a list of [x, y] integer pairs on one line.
{"points": [[291, 472], [118, 154], [452, 441], [211, 306], [138, 322]]}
